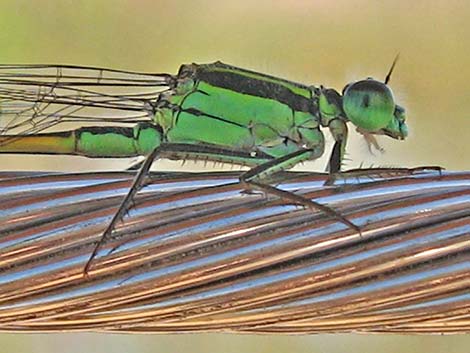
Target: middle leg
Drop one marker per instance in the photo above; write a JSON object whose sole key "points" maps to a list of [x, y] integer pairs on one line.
{"points": [[252, 180]]}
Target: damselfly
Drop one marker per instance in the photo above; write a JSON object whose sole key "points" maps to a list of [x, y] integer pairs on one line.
{"points": [[212, 111]]}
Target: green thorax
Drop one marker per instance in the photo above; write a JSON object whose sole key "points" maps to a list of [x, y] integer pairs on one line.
{"points": [[222, 105]]}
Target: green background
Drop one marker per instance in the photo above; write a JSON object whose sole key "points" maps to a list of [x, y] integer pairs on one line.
{"points": [[318, 42]]}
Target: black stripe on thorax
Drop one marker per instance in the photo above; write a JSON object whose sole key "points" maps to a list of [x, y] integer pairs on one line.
{"points": [[177, 109], [197, 112], [256, 87]]}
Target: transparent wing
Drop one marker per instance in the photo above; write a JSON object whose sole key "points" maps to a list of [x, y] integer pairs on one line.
{"points": [[35, 98]]}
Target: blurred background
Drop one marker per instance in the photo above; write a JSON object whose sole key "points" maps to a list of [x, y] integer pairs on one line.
{"points": [[313, 42], [309, 41]]}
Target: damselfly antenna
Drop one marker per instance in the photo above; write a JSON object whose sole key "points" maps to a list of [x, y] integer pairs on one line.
{"points": [[387, 78]]}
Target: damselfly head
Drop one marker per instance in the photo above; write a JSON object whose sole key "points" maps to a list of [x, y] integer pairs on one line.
{"points": [[369, 104]]}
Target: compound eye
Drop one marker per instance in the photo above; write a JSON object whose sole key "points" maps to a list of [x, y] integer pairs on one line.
{"points": [[368, 104]]}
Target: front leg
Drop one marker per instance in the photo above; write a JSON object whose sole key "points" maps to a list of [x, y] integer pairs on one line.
{"points": [[339, 130]]}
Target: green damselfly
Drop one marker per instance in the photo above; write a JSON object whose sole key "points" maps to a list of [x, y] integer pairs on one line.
{"points": [[211, 111]]}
